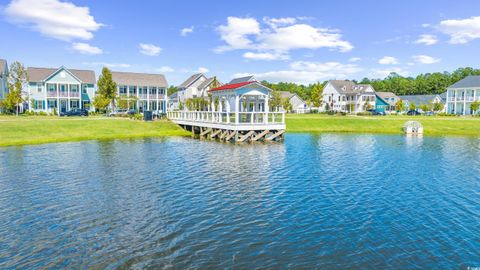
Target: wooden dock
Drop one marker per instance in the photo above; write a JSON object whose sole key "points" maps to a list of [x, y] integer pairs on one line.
{"points": [[250, 127]]}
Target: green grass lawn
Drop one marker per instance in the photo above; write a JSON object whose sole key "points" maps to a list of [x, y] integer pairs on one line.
{"points": [[433, 125], [24, 130]]}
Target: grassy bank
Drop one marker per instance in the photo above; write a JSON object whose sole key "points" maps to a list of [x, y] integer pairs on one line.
{"points": [[433, 125], [24, 130]]}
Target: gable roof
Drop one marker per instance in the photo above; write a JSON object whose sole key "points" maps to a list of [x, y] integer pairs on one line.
{"points": [[40, 74], [139, 79], [420, 99], [190, 80], [386, 96], [349, 87], [206, 83], [3, 65], [469, 81], [243, 79]]}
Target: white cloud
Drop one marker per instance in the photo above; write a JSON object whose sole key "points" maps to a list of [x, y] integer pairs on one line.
{"points": [[53, 18], [354, 59], [425, 25], [275, 22], [265, 56], [382, 73], [461, 31], [388, 60], [425, 59], [277, 37], [308, 72], [427, 39], [236, 33], [149, 49], [165, 69], [185, 31], [202, 70], [85, 48], [109, 65]]}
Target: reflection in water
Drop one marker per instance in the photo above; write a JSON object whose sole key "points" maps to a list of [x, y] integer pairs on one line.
{"points": [[315, 201]]}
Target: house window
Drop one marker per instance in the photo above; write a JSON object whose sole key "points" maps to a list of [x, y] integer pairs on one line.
{"points": [[39, 87], [52, 87], [122, 90], [132, 90], [74, 88]]}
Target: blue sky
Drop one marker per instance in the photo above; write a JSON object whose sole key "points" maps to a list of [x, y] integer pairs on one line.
{"points": [[298, 41]]}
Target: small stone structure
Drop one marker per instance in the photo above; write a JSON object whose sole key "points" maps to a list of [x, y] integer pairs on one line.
{"points": [[413, 128]]}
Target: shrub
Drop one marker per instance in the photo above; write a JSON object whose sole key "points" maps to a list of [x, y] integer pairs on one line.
{"points": [[364, 113], [136, 116], [54, 111], [42, 113], [29, 113], [446, 114]]}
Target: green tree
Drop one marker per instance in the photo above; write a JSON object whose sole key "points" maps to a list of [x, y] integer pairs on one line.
{"points": [[425, 107], [400, 106], [275, 100], [437, 106], [317, 91], [287, 106], [100, 102], [107, 88], [171, 89], [474, 106], [16, 81]]}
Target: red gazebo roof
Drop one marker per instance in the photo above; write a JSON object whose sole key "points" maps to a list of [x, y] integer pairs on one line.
{"points": [[230, 86]]}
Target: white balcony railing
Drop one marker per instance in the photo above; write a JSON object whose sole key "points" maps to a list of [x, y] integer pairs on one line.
{"points": [[244, 118]]}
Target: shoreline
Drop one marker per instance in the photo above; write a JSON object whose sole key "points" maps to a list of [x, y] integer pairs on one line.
{"points": [[35, 130]]}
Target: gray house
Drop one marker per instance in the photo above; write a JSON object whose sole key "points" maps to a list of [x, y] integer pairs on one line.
{"points": [[146, 91], [422, 99]]}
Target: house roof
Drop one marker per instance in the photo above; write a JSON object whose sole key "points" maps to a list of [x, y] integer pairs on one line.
{"points": [[469, 81], [386, 96], [190, 80], [140, 79], [286, 94], [419, 99], [348, 87], [231, 86], [206, 83], [3, 65], [36, 74], [173, 96], [243, 79]]}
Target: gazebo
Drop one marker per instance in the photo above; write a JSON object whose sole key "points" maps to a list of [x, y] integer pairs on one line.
{"points": [[238, 112]]}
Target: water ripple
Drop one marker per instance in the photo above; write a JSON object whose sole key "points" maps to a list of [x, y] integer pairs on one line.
{"points": [[316, 201]]}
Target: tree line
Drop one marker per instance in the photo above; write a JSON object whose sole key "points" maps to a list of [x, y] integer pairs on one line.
{"points": [[422, 84]]}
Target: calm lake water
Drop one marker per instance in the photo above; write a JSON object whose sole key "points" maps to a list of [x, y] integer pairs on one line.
{"points": [[314, 201]]}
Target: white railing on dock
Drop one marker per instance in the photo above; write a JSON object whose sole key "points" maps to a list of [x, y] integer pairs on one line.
{"points": [[229, 118]]}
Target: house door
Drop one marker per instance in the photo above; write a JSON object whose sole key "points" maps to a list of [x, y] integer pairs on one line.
{"points": [[63, 105]]}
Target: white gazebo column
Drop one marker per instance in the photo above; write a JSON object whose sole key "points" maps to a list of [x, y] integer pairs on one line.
{"points": [[220, 109], [266, 109], [79, 91], [464, 101], [237, 108], [128, 97], [228, 109]]}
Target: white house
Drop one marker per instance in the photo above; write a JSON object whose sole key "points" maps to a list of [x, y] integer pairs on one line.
{"points": [[59, 88], [346, 96], [298, 105], [3, 79], [461, 94], [195, 86], [145, 92]]}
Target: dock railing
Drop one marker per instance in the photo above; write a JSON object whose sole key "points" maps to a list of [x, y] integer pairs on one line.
{"points": [[244, 118]]}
